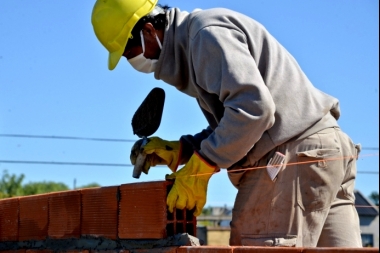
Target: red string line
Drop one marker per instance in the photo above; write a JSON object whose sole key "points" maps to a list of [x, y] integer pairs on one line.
{"points": [[286, 164]]}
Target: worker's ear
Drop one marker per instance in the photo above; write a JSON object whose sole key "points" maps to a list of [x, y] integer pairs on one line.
{"points": [[152, 47], [149, 30]]}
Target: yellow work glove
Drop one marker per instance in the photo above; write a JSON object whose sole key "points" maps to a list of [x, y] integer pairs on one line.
{"points": [[159, 152], [190, 186]]}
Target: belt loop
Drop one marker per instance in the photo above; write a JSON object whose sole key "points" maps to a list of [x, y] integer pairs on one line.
{"points": [[358, 148]]}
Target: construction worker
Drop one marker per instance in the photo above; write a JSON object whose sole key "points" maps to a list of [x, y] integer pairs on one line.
{"points": [[274, 132]]}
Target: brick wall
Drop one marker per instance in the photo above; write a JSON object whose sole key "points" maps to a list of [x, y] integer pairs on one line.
{"points": [[124, 219], [130, 211]]}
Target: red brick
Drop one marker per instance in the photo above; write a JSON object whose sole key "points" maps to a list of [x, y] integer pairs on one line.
{"points": [[76, 251], [33, 222], [143, 210], [205, 249], [13, 251], [144, 215], [9, 216], [181, 221], [110, 251], [157, 250], [340, 250], [100, 212], [248, 249], [64, 215], [39, 251]]}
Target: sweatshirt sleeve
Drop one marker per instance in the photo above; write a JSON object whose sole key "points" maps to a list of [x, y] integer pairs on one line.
{"points": [[224, 67], [192, 142]]}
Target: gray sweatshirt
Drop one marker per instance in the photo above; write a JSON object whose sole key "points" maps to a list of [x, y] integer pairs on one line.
{"points": [[251, 90]]}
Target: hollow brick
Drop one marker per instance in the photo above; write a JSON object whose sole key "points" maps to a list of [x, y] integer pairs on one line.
{"points": [[64, 215], [9, 217], [268, 250], [340, 250], [157, 250], [33, 221], [205, 249], [143, 212], [110, 251], [100, 212], [39, 251], [13, 251], [76, 251]]}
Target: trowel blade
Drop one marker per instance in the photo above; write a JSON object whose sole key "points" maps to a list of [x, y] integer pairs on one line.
{"points": [[147, 117]]}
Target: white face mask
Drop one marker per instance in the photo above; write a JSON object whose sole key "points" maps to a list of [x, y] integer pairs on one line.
{"points": [[142, 64]]}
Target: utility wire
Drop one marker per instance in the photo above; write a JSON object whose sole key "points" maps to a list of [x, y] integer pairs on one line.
{"points": [[64, 137], [369, 148], [67, 163], [104, 164], [94, 139]]}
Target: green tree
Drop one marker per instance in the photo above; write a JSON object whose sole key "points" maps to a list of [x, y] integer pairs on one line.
{"points": [[43, 187], [91, 185], [374, 197], [207, 210], [11, 185]]}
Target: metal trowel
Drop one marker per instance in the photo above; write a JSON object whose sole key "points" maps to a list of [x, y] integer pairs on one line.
{"points": [[146, 121]]}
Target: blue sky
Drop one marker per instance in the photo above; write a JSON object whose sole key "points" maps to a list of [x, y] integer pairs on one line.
{"points": [[54, 81]]}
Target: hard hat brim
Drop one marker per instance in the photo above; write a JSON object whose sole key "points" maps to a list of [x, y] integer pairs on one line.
{"points": [[113, 22], [114, 58]]}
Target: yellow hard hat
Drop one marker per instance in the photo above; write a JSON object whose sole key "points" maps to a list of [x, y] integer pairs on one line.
{"points": [[113, 21]]}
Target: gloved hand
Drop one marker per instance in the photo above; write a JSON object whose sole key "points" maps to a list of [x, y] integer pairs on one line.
{"points": [[159, 152], [190, 186]]}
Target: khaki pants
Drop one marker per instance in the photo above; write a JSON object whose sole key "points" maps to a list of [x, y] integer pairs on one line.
{"points": [[311, 203]]}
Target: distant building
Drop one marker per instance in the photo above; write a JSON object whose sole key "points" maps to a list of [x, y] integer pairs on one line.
{"points": [[214, 228], [369, 220]]}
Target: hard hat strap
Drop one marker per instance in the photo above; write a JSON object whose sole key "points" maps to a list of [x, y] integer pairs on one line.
{"points": [[142, 41]]}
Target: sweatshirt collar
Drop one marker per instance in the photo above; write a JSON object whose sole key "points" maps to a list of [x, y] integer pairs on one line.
{"points": [[173, 64]]}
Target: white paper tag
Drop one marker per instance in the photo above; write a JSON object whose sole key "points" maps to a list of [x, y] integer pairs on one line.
{"points": [[275, 165]]}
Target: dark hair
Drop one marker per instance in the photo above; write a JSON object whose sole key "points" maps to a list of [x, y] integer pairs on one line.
{"points": [[158, 21]]}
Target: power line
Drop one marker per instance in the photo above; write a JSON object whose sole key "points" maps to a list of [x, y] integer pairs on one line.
{"points": [[94, 139], [67, 163], [63, 137], [104, 164]]}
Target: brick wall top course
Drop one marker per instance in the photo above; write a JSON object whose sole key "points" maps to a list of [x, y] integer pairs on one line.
{"points": [[117, 216], [128, 211]]}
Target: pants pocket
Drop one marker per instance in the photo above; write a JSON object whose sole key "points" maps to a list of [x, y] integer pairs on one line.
{"points": [[319, 178], [235, 174], [274, 240]]}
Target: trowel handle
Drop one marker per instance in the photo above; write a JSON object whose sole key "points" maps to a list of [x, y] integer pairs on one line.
{"points": [[140, 160]]}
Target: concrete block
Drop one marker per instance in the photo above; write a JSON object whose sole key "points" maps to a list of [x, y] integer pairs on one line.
{"points": [[100, 212], [9, 217], [33, 221], [65, 215]]}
